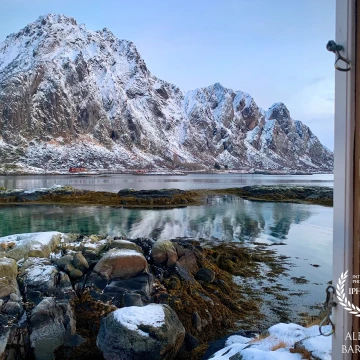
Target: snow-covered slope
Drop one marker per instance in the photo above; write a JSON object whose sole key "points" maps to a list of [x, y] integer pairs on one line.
{"points": [[69, 95]]}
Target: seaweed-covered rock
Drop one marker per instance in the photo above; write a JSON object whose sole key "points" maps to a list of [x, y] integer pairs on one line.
{"points": [[150, 194], [285, 192], [205, 274], [188, 262], [151, 332]]}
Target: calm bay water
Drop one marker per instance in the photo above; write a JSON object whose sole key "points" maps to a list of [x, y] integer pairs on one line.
{"points": [[303, 232], [114, 183]]}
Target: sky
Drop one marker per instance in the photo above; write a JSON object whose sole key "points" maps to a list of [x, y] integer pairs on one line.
{"points": [[275, 50]]}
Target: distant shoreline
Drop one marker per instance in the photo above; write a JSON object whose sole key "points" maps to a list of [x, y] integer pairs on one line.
{"points": [[163, 173], [166, 198]]}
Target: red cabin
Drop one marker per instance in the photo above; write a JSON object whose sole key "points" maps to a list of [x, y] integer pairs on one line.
{"points": [[77, 169]]}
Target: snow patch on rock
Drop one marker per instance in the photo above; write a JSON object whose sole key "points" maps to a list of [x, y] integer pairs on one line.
{"points": [[43, 238], [134, 316]]}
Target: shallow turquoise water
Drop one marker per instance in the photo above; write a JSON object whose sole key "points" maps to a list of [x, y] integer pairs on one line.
{"points": [[303, 232]]}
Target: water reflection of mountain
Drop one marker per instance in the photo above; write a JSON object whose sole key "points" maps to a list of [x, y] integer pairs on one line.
{"points": [[226, 218]]}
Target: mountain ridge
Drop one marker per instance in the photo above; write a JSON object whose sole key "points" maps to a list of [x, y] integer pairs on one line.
{"points": [[70, 95]]}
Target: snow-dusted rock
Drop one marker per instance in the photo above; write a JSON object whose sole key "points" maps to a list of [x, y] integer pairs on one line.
{"points": [[39, 244], [70, 95], [39, 280], [319, 346], [282, 343], [151, 332]]}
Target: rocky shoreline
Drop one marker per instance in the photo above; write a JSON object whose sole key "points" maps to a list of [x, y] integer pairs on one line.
{"points": [[166, 198], [317, 195], [69, 296]]}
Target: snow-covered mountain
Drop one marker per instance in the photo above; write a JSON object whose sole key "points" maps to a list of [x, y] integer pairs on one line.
{"points": [[69, 95]]}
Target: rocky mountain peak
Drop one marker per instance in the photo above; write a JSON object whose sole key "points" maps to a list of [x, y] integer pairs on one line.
{"points": [[278, 111], [52, 18], [72, 95]]}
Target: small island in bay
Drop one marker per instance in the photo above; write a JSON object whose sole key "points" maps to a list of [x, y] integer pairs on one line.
{"points": [[166, 197]]}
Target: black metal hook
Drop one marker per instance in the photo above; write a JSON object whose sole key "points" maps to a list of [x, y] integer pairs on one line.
{"points": [[328, 305], [335, 48]]}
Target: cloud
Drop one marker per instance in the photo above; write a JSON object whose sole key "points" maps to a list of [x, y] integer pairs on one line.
{"points": [[313, 104], [314, 100], [317, 80]]}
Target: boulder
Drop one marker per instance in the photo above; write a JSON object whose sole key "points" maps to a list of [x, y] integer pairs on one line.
{"points": [[8, 274], [92, 249], [32, 245], [52, 323], [12, 308], [152, 332], [188, 262], [132, 299], [33, 261], [75, 274], [206, 275], [69, 268], [125, 244], [63, 261], [80, 262], [179, 249], [8, 268], [121, 263], [164, 252], [40, 280], [146, 245], [141, 285]]}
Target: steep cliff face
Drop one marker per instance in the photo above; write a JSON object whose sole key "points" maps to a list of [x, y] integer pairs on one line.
{"points": [[234, 129], [69, 95]]}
